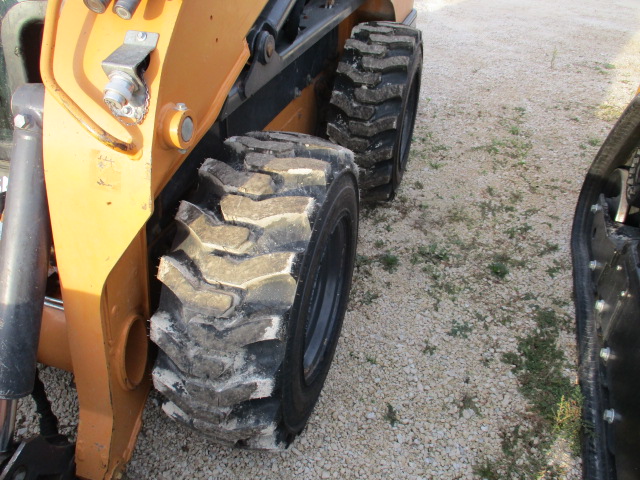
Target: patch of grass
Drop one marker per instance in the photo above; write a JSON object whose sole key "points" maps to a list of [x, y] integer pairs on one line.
{"points": [[539, 363], [468, 403], [457, 214], [507, 260], [555, 269], [519, 231], [487, 470], [608, 112], [514, 130], [499, 269], [371, 359], [368, 297], [460, 329], [428, 348], [450, 288], [378, 243], [568, 421], [493, 148], [435, 165], [431, 253], [520, 461], [418, 185], [491, 191], [389, 262], [391, 415], [593, 141], [440, 148], [363, 261], [549, 247], [516, 147], [556, 404]]}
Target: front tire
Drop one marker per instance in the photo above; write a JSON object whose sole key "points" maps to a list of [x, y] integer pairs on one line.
{"points": [[256, 287]]}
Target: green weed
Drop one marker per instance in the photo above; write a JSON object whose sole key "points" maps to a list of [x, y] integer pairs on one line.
{"points": [[468, 403], [519, 231], [539, 364], [460, 329], [549, 247], [568, 421], [432, 253], [368, 297], [499, 269], [428, 348], [555, 269], [389, 262]]}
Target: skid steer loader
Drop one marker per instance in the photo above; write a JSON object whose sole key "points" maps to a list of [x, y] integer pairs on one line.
{"points": [[184, 180]]}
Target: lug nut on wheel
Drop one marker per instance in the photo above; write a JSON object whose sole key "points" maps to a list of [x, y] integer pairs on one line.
{"points": [[605, 354], [595, 208], [21, 121], [599, 306], [609, 415]]}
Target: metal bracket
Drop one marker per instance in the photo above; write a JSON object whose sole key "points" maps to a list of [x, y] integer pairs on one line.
{"points": [[127, 94]]}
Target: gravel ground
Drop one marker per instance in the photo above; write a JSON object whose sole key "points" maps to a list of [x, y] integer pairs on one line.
{"points": [[516, 97]]}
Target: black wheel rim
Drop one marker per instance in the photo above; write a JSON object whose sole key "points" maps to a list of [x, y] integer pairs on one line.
{"points": [[408, 121], [326, 297]]}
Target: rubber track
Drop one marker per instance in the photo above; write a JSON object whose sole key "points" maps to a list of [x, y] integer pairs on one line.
{"points": [[231, 279]]}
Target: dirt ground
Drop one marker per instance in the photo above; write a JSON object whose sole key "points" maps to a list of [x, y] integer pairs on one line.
{"points": [[457, 355]]}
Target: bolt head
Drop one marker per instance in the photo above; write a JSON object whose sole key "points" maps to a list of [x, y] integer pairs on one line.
{"points": [[123, 12], [186, 131], [599, 306], [595, 208], [21, 121], [609, 415], [141, 36], [593, 264], [181, 107], [97, 6], [270, 46], [605, 354]]}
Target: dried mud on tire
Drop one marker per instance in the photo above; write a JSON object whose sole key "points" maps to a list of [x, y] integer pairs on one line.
{"points": [[227, 321]]}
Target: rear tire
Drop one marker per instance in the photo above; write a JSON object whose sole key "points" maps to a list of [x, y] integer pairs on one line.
{"points": [[256, 287], [375, 101]]}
